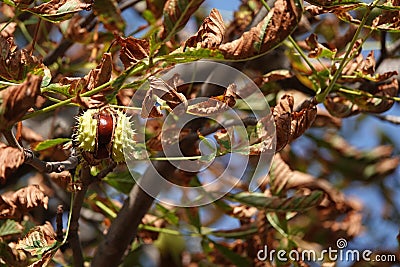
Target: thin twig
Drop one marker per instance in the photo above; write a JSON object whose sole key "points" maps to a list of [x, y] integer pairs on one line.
{"points": [[59, 223], [76, 213], [8, 134], [389, 118], [48, 167], [384, 51]]}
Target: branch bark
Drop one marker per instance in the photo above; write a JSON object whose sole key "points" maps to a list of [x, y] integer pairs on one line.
{"points": [[124, 228]]}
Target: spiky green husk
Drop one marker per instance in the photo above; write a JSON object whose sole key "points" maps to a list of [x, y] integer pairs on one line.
{"points": [[85, 135], [123, 142]]}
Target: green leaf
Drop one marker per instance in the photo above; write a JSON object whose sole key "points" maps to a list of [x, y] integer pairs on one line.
{"points": [[192, 54], [167, 214], [50, 143], [236, 259], [122, 181], [57, 88], [10, 227], [297, 203]]}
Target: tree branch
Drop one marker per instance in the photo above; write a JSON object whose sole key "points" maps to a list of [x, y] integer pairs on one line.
{"points": [[48, 167], [124, 228]]}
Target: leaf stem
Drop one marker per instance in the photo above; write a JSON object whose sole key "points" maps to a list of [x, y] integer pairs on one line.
{"points": [[321, 97]]}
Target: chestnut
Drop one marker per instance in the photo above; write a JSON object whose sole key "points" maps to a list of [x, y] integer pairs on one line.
{"points": [[103, 134]]}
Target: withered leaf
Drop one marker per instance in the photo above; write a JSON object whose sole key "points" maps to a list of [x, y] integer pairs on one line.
{"points": [[282, 113], [176, 14], [176, 101], [18, 99], [265, 136], [378, 105], [108, 12], [302, 119], [132, 50], [211, 32], [292, 124], [15, 64], [8, 29], [364, 69], [339, 106], [281, 20], [38, 240], [59, 10], [96, 77], [75, 31], [209, 107], [13, 205], [243, 16], [156, 7], [10, 159], [389, 20], [216, 104]]}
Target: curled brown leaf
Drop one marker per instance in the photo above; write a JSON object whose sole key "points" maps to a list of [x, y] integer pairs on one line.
{"points": [[38, 239], [17, 100], [302, 119], [15, 64], [52, 8], [176, 14], [211, 32], [282, 113], [10, 159], [132, 50], [96, 77], [161, 89], [14, 205], [292, 124], [273, 29]]}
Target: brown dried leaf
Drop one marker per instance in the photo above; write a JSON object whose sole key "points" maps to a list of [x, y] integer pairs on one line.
{"points": [[10, 159], [389, 20], [132, 50], [75, 32], [364, 69], [176, 14], [38, 240], [276, 26], [282, 113], [108, 12], [156, 7], [276, 75], [339, 106], [15, 64], [18, 99], [209, 107], [265, 136], [302, 119], [13, 205], [9, 29], [176, 101], [96, 77], [211, 32], [378, 105], [58, 10], [243, 17]]}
